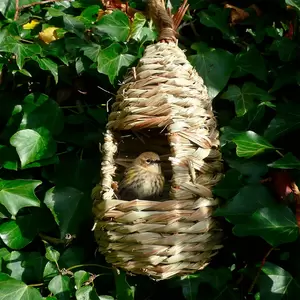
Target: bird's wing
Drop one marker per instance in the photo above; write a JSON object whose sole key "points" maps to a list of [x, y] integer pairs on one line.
{"points": [[127, 187]]}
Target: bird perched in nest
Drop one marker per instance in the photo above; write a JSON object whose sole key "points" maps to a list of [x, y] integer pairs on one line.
{"points": [[143, 179]]}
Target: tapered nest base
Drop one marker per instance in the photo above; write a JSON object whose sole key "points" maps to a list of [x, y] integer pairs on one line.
{"points": [[162, 106]]}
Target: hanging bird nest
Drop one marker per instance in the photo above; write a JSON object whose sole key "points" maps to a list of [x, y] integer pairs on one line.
{"points": [[162, 106]]}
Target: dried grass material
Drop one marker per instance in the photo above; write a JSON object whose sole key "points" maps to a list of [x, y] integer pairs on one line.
{"points": [[175, 236]]}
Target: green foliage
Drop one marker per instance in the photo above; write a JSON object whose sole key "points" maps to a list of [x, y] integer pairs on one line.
{"points": [[16, 194], [282, 283], [249, 144], [60, 64], [15, 289], [214, 66]]}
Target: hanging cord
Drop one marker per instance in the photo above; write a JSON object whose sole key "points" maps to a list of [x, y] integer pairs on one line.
{"points": [[162, 20]]}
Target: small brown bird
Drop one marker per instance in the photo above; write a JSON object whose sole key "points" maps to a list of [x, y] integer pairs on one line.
{"points": [[143, 179]]}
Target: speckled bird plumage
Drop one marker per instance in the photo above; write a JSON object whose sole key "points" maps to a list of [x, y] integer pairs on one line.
{"points": [[143, 179]]}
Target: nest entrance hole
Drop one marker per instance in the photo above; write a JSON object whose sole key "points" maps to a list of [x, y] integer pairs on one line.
{"points": [[133, 143]]}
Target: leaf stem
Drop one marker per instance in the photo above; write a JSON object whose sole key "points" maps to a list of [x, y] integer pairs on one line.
{"points": [[18, 9], [40, 3], [51, 239], [88, 265], [259, 270], [26, 41], [277, 151], [36, 284]]}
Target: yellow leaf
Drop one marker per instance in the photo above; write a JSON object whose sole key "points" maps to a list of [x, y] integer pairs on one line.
{"points": [[31, 24], [48, 35]]}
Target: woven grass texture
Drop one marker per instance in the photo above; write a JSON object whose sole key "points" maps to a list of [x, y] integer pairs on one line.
{"points": [[162, 106]]}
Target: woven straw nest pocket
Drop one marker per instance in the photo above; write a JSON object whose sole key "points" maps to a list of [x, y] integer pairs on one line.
{"points": [[162, 106]]}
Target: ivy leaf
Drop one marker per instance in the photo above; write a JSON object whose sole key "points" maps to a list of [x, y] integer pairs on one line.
{"points": [[253, 168], [25, 266], [3, 33], [4, 214], [226, 293], [24, 72], [18, 234], [87, 292], [53, 12], [47, 64], [217, 17], [228, 133], [57, 49], [286, 120], [69, 207], [51, 254], [242, 101], [214, 66], [74, 25], [77, 173], [20, 50], [14, 289], [287, 49], [277, 283], [16, 194], [12, 236], [33, 101], [73, 43], [190, 288], [54, 160], [229, 185], [33, 145], [81, 65], [11, 115], [14, 262], [60, 286], [245, 203], [34, 263], [73, 256], [4, 253], [285, 75], [216, 278], [111, 60], [7, 8], [148, 35], [50, 271], [244, 98], [8, 158], [295, 3], [289, 161], [250, 61], [80, 278], [123, 289], [99, 114], [41, 111], [92, 51], [276, 225], [116, 25], [256, 115], [137, 27], [89, 15], [249, 144]]}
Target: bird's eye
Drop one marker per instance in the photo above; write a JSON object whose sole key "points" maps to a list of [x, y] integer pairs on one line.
{"points": [[148, 161]]}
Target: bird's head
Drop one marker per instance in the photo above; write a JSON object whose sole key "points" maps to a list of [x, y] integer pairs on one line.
{"points": [[150, 161]]}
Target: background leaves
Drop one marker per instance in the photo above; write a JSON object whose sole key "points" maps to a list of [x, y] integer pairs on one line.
{"points": [[16, 194]]}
